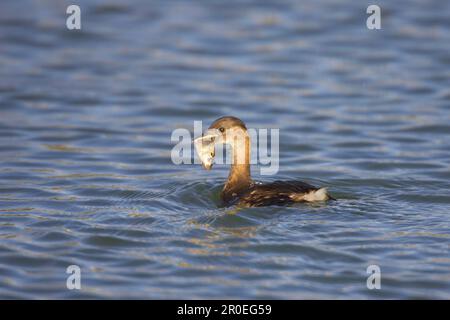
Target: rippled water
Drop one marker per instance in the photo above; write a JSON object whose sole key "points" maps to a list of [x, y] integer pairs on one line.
{"points": [[86, 176]]}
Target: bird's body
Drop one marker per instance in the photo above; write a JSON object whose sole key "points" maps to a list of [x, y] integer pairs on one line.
{"points": [[276, 193], [240, 189]]}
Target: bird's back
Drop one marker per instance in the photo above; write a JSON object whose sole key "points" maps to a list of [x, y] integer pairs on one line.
{"points": [[280, 193]]}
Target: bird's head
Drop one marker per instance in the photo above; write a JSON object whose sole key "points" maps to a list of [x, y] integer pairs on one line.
{"points": [[225, 130]]}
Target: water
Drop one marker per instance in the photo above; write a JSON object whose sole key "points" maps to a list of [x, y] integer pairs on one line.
{"points": [[85, 170]]}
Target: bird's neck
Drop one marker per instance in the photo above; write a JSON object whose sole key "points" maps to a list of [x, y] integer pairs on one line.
{"points": [[239, 178]]}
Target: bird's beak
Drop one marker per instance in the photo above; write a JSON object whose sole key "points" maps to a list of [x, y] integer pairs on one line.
{"points": [[207, 165], [205, 147]]}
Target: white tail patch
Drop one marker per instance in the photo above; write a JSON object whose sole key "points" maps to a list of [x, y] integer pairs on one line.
{"points": [[315, 195]]}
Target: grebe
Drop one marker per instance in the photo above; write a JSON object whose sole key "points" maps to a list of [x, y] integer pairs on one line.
{"points": [[240, 189]]}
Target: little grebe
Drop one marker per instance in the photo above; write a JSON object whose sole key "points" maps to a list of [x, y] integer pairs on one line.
{"points": [[239, 188]]}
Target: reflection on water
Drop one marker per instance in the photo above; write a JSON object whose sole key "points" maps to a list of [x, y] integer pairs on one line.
{"points": [[86, 177]]}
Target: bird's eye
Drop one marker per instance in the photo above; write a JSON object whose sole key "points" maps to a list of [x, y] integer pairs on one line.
{"points": [[222, 129], [212, 154]]}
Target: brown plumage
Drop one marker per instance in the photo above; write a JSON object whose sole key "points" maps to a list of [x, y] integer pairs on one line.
{"points": [[240, 189], [273, 193]]}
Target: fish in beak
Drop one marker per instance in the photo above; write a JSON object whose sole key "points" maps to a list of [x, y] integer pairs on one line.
{"points": [[205, 147]]}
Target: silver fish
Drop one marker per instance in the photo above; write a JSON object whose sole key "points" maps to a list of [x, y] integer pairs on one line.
{"points": [[205, 149]]}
